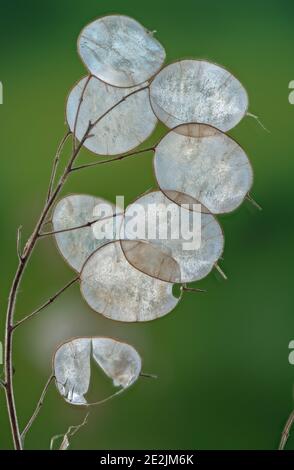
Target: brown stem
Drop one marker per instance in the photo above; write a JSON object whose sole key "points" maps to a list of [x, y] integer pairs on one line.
{"points": [[45, 304], [192, 289], [72, 430], [120, 157], [286, 431], [118, 103], [37, 409], [77, 227], [55, 163], [148, 376], [18, 243]]}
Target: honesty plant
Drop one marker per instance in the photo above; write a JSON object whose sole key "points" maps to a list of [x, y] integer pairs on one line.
{"points": [[197, 166]]}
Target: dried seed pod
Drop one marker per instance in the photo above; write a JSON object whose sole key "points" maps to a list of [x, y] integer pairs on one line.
{"points": [[123, 128], [72, 369], [198, 91], [204, 164], [193, 241], [76, 210], [120, 51], [117, 290]]}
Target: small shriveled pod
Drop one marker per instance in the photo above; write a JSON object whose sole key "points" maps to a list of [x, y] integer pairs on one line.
{"points": [[72, 365], [198, 91]]}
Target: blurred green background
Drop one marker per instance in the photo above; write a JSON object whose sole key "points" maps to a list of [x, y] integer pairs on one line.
{"points": [[222, 357]]}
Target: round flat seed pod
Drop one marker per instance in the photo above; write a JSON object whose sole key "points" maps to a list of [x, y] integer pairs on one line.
{"points": [[120, 51], [72, 366], [79, 209], [194, 240], [204, 164], [123, 128], [198, 91], [113, 287]]}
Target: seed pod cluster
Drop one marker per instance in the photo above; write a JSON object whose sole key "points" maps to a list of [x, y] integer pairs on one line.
{"points": [[196, 165]]}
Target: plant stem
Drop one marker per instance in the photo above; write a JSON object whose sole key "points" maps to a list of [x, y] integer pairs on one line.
{"points": [[77, 227], [193, 289], [218, 268], [37, 409], [120, 157], [286, 431], [72, 430], [18, 243], [55, 163], [48, 302]]}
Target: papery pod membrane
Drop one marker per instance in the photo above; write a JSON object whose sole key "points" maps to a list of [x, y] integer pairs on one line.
{"points": [[113, 287], [120, 51], [204, 164], [194, 241], [72, 370], [198, 91], [78, 209], [127, 124], [119, 361], [156, 261]]}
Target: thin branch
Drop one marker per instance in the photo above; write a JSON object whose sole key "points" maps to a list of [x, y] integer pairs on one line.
{"points": [[253, 202], [119, 392], [105, 400], [148, 376], [77, 227], [72, 430], [117, 104], [18, 243], [110, 160], [193, 289], [48, 302], [286, 431], [37, 409], [259, 121], [218, 268], [55, 163], [2, 384]]}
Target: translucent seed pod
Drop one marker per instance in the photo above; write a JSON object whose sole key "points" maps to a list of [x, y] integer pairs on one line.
{"points": [[198, 91], [204, 164], [121, 125], [113, 287], [79, 209], [120, 51], [72, 367], [191, 242]]}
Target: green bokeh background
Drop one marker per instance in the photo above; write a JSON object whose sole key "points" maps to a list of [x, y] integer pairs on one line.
{"points": [[222, 358]]}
